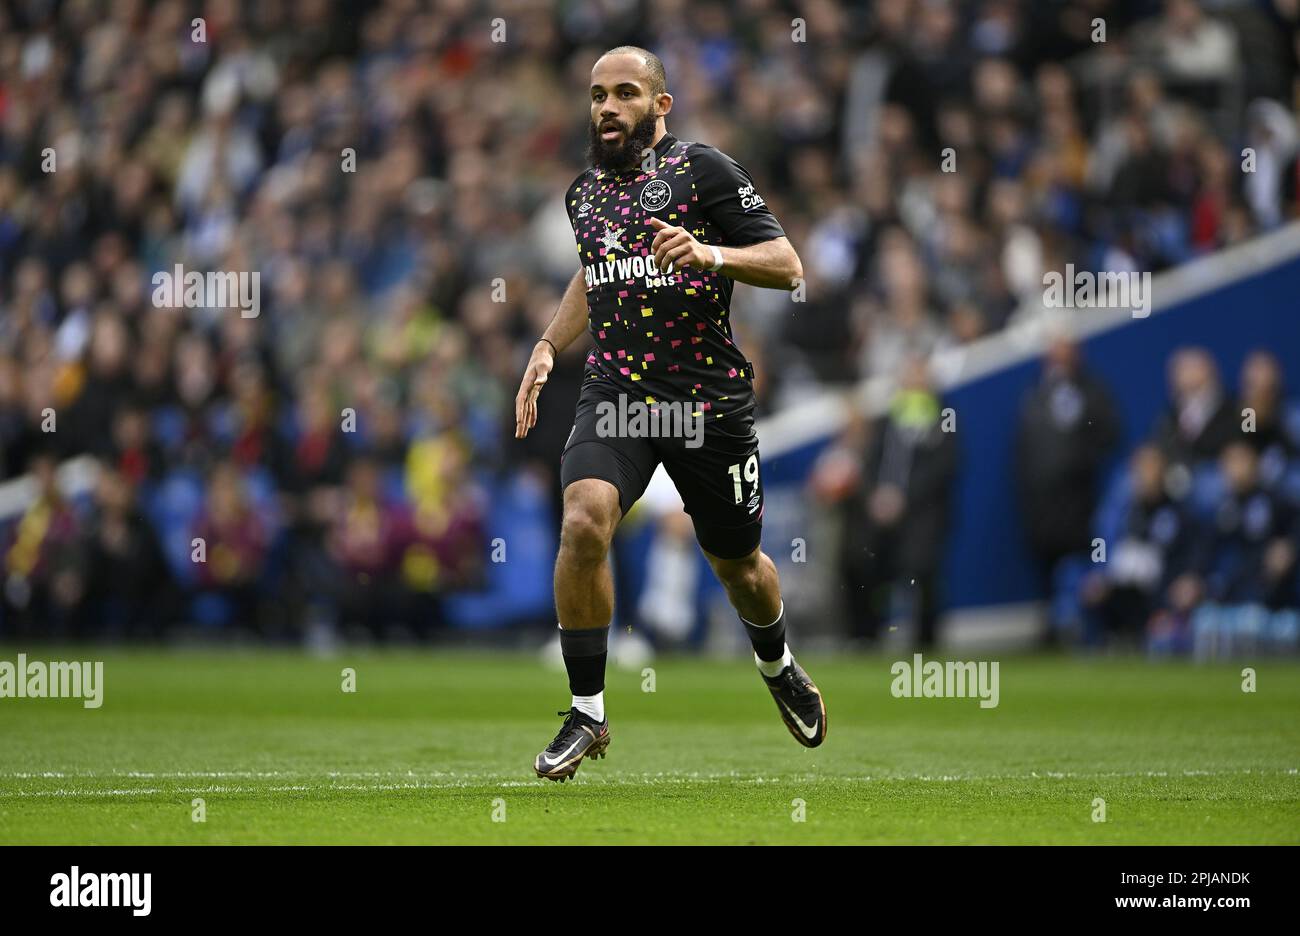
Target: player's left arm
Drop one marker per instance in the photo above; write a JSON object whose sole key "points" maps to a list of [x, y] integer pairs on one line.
{"points": [[754, 247]]}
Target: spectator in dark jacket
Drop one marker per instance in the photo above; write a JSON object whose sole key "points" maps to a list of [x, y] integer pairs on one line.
{"points": [[1201, 419], [1068, 430], [309, 461], [1270, 422], [127, 587], [896, 522], [13, 424]]}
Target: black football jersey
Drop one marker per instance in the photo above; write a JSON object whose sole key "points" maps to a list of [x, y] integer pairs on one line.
{"points": [[659, 336]]}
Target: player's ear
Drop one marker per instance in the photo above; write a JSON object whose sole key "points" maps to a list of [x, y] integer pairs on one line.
{"points": [[663, 104]]}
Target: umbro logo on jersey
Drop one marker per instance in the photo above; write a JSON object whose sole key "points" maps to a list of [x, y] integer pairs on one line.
{"points": [[655, 195], [749, 198], [584, 209]]}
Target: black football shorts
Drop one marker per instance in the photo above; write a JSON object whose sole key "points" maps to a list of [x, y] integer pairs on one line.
{"points": [[714, 465]]}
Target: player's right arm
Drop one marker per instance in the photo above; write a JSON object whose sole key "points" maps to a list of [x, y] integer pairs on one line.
{"points": [[570, 321]]}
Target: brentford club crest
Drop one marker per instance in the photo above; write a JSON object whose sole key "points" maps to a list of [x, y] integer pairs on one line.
{"points": [[655, 195]]}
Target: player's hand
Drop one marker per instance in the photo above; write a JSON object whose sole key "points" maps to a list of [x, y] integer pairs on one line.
{"points": [[535, 376], [674, 248]]}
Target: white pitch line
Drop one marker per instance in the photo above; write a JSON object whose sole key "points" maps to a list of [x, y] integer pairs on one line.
{"points": [[216, 774], [593, 778]]}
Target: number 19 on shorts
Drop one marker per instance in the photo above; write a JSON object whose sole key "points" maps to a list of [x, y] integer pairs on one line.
{"points": [[750, 475]]}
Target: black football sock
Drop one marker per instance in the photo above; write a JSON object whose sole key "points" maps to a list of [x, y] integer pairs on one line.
{"points": [[769, 640], [585, 652]]}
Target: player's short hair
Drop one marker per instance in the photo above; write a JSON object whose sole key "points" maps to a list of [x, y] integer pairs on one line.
{"points": [[653, 65]]}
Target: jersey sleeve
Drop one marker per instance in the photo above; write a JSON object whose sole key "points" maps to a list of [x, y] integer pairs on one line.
{"points": [[571, 199], [728, 198]]}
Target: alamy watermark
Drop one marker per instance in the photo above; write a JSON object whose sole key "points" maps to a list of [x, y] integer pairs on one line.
{"points": [[636, 420], [225, 289], [57, 679], [89, 889], [1087, 290], [930, 679]]}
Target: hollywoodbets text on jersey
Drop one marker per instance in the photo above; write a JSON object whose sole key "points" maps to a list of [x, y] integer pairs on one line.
{"points": [[622, 269]]}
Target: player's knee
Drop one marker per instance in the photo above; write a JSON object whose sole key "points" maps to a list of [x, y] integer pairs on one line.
{"points": [[584, 534], [587, 527]]}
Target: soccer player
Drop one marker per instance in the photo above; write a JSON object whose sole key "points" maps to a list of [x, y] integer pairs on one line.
{"points": [[663, 227]]}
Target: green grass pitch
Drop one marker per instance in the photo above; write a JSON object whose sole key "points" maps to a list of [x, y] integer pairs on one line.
{"points": [[433, 747]]}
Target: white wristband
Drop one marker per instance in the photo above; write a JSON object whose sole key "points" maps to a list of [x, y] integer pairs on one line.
{"points": [[717, 257]]}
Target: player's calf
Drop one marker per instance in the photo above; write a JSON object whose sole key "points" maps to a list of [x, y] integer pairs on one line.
{"points": [[753, 587], [751, 583]]}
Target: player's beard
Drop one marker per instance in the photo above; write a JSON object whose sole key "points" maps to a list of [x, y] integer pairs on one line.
{"points": [[620, 157]]}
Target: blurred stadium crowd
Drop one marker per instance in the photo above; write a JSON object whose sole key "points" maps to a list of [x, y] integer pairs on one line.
{"points": [[1192, 548], [392, 172]]}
